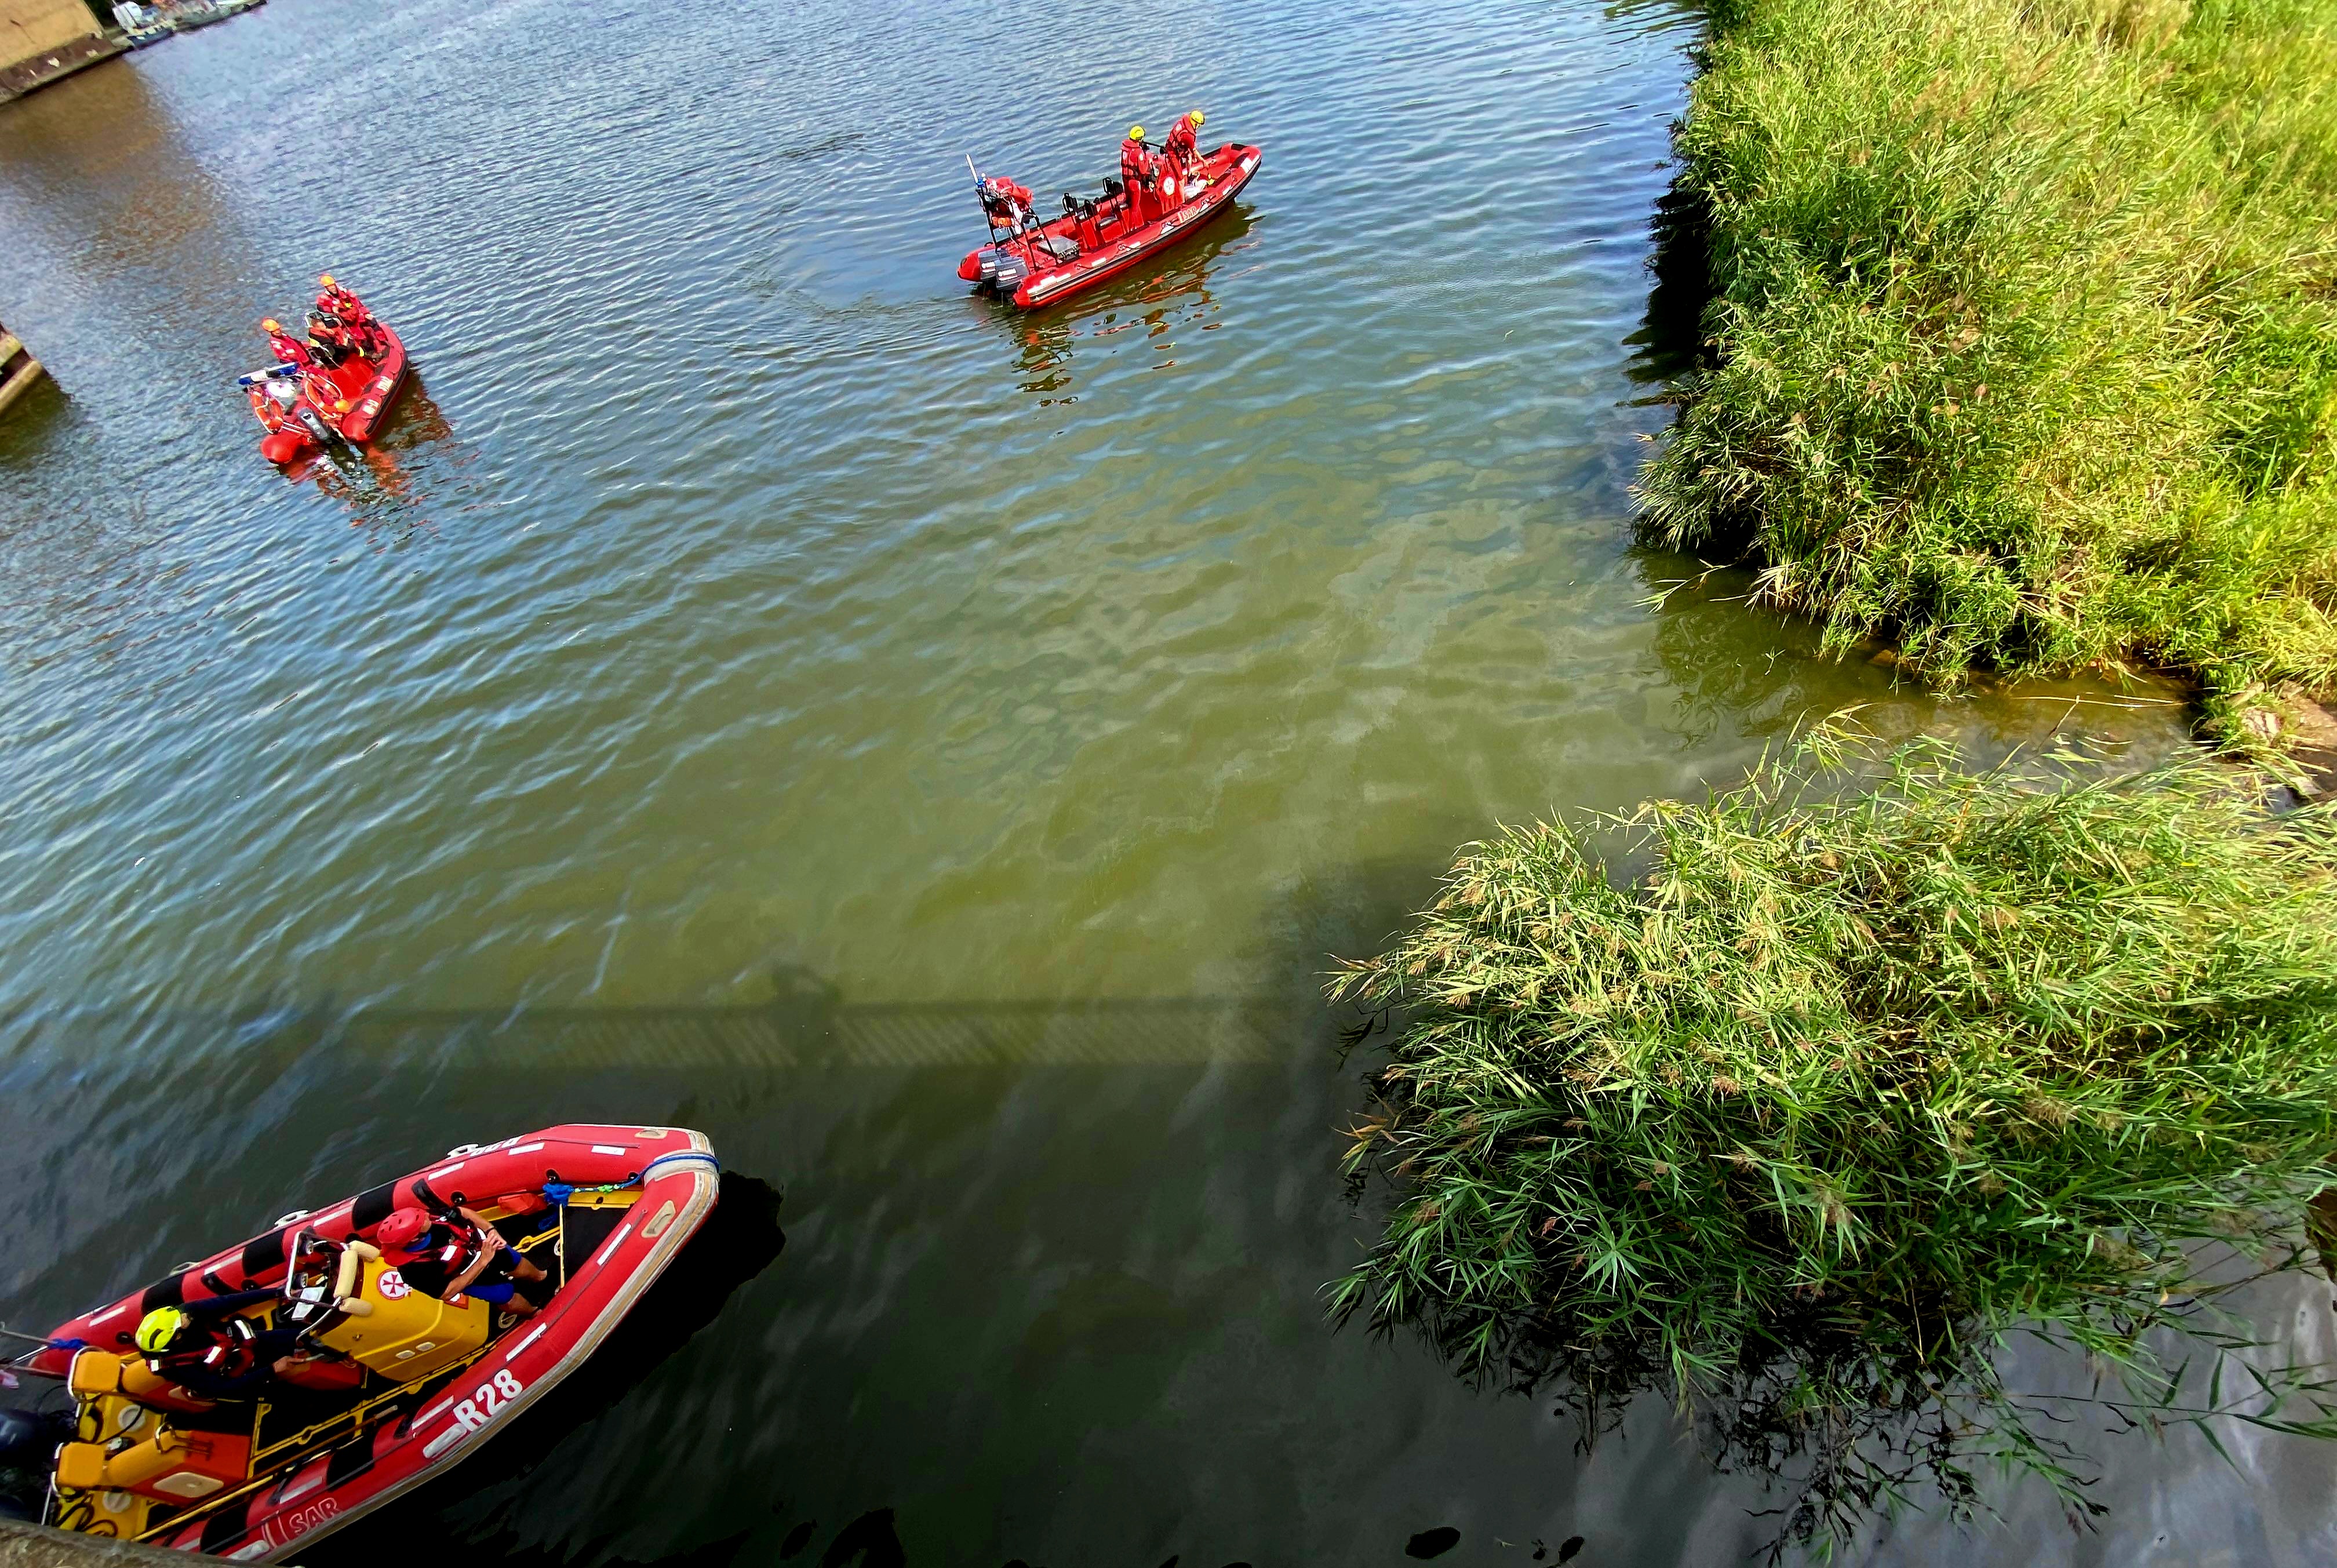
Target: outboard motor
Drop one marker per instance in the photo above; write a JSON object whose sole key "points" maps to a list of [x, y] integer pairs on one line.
{"points": [[29, 1438], [325, 433]]}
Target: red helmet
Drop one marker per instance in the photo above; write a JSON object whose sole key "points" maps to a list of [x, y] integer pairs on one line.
{"points": [[402, 1229]]}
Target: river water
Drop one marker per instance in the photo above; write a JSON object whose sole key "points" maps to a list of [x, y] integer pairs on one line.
{"points": [[936, 751]]}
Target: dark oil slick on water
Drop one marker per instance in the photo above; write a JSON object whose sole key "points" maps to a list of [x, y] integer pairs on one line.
{"points": [[931, 750]]}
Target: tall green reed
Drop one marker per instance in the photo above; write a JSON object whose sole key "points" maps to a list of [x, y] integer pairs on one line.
{"points": [[2025, 330], [1799, 1103]]}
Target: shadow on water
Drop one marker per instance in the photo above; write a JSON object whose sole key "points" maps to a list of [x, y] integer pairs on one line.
{"points": [[1769, 686], [37, 418], [1670, 343], [739, 1239], [1030, 1245], [1159, 304], [377, 482]]}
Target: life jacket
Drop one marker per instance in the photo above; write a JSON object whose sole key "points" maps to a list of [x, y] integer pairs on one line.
{"points": [[231, 1353], [1007, 203], [340, 302], [288, 349], [328, 343], [456, 1245], [1136, 166]]}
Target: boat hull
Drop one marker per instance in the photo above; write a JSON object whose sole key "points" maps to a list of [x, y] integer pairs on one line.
{"points": [[413, 1434], [1119, 249], [369, 386]]}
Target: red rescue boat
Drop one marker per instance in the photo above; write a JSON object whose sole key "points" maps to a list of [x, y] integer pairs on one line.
{"points": [[389, 1386], [304, 408], [1036, 264]]}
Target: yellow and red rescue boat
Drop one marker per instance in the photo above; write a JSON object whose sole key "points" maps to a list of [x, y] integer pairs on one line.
{"points": [[395, 1385]]}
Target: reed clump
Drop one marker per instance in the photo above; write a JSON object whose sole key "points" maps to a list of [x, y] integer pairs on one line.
{"points": [[2024, 335], [1845, 1084]]}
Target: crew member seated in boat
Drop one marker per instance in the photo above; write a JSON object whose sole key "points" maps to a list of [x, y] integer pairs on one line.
{"points": [[326, 345], [1184, 143], [360, 333], [438, 1260], [211, 1351], [287, 349], [1139, 170], [334, 301]]}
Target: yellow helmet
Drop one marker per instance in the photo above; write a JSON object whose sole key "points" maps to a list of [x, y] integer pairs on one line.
{"points": [[1135, 132], [158, 1328], [271, 325], [326, 281], [1195, 117]]}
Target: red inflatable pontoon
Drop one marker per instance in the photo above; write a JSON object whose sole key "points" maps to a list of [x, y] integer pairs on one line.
{"points": [[303, 410], [388, 1386], [1036, 264]]}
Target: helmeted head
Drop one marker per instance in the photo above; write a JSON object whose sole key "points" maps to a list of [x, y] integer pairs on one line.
{"points": [[158, 1328], [404, 1230], [1135, 132], [1194, 119], [271, 326], [326, 281]]}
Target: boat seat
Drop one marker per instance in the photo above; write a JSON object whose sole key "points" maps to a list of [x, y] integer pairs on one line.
{"points": [[96, 1374], [386, 1326], [173, 1466]]}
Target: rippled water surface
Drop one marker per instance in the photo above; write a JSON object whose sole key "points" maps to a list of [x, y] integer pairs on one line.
{"points": [[934, 751]]}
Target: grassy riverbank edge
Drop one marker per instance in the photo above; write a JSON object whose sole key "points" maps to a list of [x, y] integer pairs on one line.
{"points": [[2023, 336]]}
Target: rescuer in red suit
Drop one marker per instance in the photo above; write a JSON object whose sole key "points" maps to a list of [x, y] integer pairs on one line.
{"points": [[334, 301], [1139, 170], [1009, 201], [360, 334], [1184, 143], [283, 344]]}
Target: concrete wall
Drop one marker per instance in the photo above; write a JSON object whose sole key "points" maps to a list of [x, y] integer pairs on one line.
{"points": [[31, 1546], [34, 27]]}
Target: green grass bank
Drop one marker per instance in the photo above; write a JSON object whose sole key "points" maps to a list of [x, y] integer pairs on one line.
{"points": [[1797, 1103], [2024, 330]]}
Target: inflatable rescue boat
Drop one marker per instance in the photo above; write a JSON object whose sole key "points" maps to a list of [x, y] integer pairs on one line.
{"points": [[1036, 264], [303, 409], [387, 1386]]}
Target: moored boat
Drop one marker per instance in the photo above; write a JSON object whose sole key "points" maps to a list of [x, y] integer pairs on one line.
{"points": [[387, 1385], [1036, 264]]}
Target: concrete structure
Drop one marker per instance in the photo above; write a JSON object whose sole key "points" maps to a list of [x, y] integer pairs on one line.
{"points": [[41, 40], [18, 369], [34, 1546]]}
